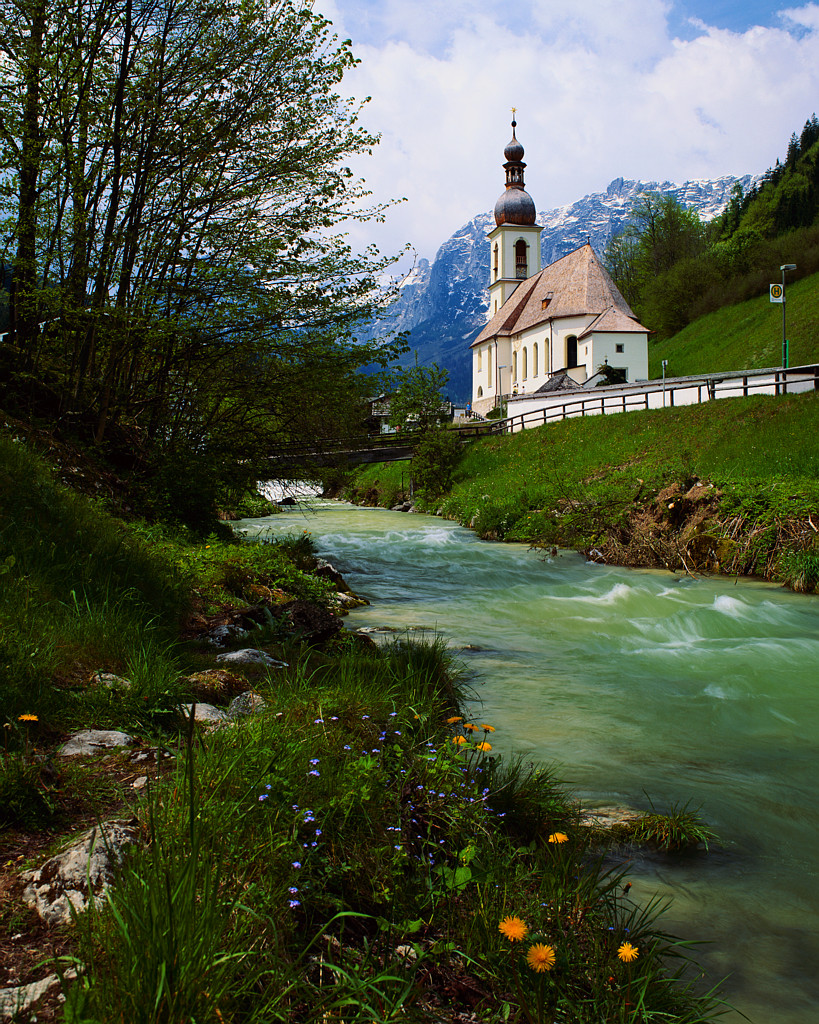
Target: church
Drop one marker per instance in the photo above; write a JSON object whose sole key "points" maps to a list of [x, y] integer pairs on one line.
{"points": [[551, 328]]}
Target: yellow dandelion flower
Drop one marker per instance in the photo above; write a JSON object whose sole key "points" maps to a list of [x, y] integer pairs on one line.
{"points": [[470, 727], [558, 837], [27, 718], [627, 952], [454, 719], [513, 928], [541, 957], [483, 746], [487, 728], [459, 739]]}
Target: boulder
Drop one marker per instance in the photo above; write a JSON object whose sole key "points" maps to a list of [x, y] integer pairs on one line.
{"points": [[15, 1001], [109, 680], [95, 741], [221, 636], [76, 876], [248, 703], [214, 684], [205, 714], [250, 656]]}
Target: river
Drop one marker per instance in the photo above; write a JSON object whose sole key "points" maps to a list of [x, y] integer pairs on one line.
{"points": [[640, 685]]}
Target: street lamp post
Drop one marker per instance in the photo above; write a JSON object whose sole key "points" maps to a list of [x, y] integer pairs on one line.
{"points": [[785, 267]]}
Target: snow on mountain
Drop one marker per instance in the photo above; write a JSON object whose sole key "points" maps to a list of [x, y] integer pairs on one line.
{"points": [[444, 304]]}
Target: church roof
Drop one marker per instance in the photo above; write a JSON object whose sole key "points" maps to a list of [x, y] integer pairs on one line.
{"points": [[576, 285], [559, 381]]}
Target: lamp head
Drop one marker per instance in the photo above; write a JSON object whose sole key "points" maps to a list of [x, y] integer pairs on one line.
{"points": [[788, 266]]}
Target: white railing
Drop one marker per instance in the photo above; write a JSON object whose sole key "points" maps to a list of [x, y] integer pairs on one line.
{"points": [[655, 394]]}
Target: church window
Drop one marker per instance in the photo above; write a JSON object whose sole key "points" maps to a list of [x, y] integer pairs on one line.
{"points": [[495, 263], [534, 360], [571, 350], [480, 359], [489, 373], [521, 261], [480, 392], [525, 363], [515, 367], [619, 348]]}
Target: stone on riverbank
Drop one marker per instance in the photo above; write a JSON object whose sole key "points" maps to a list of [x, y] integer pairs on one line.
{"points": [[95, 741], [77, 875]]}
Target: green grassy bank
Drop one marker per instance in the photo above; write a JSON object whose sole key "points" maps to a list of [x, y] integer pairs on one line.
{"points": [[746, 334], [352, 852], [729, 486]]}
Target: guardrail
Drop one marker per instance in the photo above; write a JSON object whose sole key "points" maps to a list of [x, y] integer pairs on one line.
{"points": [[676, 391]]}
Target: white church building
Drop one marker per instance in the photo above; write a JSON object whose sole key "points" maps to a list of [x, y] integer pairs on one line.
{"points": [[552, 328]]}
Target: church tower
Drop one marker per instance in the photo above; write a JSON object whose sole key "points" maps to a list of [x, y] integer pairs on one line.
{"points": [[515, 241]]}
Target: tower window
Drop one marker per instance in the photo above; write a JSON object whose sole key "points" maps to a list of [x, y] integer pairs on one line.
{"points": [[521, 261], [619, 348], [495, 263]]}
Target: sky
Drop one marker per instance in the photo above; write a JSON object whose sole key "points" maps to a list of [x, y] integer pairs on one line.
{"points": [[663, 90]]}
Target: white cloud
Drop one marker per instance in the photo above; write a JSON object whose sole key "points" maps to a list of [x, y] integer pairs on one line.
{"points": [[602, 88]]}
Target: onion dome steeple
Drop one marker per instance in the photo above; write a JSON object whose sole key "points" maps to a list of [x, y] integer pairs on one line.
{"points": [[515, 206]]}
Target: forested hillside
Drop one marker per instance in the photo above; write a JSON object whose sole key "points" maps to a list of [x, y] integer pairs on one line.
{"points": [[673, 268]]}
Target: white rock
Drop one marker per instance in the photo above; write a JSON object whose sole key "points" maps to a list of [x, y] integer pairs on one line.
{"points": [[206, 714], [83, 871], [248, 703], [250, 656], [14, 1001], [94, 741]]}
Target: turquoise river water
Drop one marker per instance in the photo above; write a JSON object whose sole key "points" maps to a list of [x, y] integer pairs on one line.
{"points": [[640, 685]]}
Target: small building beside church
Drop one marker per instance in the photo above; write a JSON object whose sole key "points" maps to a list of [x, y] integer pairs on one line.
{"points": [[553, 327]]}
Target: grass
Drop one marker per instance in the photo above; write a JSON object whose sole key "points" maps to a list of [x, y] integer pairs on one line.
{"points": [[747, 335], [581, 482], [343, 858]]}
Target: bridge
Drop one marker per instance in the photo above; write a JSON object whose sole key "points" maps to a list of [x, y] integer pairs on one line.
{"points": [[360, 449]]}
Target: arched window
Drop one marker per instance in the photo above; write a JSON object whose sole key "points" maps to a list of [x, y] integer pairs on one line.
{"points": [[525, 363], [489, 372], [495, 260], [514, 367], [480, 392], [480, 359], [521, 261], [571, 350], [534, 360]]}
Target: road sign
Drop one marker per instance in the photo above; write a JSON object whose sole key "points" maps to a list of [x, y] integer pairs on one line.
{"points": [[777, 293]]}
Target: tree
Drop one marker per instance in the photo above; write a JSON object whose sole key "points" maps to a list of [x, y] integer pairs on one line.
{"points": [[660, 232], [417, 402], [174, 194]]}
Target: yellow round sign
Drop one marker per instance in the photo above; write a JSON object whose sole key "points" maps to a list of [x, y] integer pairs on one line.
{"points": [[777, 291]]}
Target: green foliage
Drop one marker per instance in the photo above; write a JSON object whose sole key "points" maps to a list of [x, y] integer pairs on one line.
{"points": [[188, 166], [434, 459], [748, 334], [799, 570], [416, 402], [660, 233], [673, 270], [679, 829], [348, 846]]}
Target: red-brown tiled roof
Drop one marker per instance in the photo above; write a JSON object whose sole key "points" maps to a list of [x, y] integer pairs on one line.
{"points": [[579, 285]]}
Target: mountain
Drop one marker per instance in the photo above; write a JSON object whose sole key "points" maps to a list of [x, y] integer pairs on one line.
{"points": [[443, 304]]}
